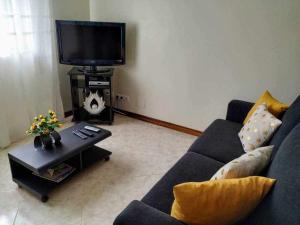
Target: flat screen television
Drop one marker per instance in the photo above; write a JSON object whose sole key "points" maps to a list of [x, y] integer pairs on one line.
{"points": [[86, 43]]}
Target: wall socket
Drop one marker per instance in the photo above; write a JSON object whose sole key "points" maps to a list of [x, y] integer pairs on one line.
{"points": [[122, 100]]}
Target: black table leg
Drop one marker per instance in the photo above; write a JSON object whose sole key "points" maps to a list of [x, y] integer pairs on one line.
{"points": [[44, 198]]}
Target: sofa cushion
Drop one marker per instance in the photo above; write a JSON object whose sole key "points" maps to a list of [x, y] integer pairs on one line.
{"points": [[275, 107], [138, 213], [259, 129], [220, 141], [191, 167], [289, 120], [249, 164], [219, 202], [282, 205]]}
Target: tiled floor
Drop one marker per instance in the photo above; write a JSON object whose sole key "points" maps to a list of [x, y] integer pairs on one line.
{"points": [[142, 153]]}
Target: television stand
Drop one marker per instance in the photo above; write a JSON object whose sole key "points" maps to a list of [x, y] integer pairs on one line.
{"points": [[93, 70], [96, 82]]}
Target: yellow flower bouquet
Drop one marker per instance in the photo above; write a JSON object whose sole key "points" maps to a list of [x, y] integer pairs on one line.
{"points": [[43, 127]]}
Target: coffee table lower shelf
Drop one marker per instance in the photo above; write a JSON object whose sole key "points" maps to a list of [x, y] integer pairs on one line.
{"points": [[41, 187]]}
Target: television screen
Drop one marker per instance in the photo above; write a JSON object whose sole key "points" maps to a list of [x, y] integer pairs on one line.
{"points": [[91, 43]]}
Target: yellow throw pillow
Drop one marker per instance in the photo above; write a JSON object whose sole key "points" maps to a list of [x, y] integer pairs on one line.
{"points": [[218, 202], [274, 106]]}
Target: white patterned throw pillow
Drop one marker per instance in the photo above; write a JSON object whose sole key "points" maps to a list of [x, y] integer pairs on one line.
{"points": [[258, 129], [249, 164]]}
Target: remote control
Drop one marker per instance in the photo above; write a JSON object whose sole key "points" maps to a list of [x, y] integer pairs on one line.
{"points": [[94, 129], [77, 133], [86, 132]]}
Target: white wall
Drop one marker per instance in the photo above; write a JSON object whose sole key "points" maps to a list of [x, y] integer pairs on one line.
{"points": [[69, 10], [188, 58]]}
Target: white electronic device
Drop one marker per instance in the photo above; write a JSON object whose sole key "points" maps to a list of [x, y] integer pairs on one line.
{"points": [[98, 83], [94, 129]]}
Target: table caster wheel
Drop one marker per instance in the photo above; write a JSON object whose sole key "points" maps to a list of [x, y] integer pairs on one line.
{"points": [[107, 158], [44, 198]]}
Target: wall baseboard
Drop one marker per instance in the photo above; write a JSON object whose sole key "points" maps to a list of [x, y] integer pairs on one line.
{"points": [[161, 123], [153, 121]]}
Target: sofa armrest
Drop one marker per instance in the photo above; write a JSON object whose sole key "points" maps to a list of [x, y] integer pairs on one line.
{"points": [[237, 110], [138, 213]]}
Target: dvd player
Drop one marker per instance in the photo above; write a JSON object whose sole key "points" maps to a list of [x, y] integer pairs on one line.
{"points": [[98, 83]]}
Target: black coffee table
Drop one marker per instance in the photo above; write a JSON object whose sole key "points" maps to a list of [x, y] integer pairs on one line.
{"points": [[77, 152]]}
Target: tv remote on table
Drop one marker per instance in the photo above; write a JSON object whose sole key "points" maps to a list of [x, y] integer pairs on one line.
{"points": [[77, 133], [94, 129], [86, 132]]}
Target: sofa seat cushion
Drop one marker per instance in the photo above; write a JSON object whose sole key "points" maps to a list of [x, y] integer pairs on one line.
{"points": [[138, 213], [220, 141], [290, 119], [282, 205], [192, 167]]}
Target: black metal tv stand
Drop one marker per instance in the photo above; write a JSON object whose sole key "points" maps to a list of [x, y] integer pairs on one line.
{"points": [[81, 87], [93, 69]]}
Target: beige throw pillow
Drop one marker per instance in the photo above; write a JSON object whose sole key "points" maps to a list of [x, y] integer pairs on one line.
{"points": [[249, 164], [258, 129]]}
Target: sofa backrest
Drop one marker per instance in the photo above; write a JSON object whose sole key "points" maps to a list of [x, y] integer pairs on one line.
{"points": [[289, 120], [282, 205]]}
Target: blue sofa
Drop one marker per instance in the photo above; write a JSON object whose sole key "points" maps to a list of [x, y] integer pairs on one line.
{"points": [[218, 145]]}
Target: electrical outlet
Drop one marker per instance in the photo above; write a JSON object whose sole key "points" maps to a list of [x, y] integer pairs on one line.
{"points": [[122, 100]]}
